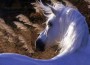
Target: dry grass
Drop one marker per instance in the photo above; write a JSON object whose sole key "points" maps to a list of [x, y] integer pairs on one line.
{"points": [[22, 38]]}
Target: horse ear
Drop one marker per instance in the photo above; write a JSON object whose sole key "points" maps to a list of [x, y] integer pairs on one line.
{"points": [[52, 9], [47, 10]]}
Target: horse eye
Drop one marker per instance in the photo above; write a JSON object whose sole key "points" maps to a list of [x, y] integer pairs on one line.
{"points": [[50, 24]]}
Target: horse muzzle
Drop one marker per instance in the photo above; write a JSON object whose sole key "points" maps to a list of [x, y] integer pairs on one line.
{"points": [[40, 46]]}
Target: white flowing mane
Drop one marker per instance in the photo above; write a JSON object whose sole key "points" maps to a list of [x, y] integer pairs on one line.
{"points": [[74, 31], [74, 40]]}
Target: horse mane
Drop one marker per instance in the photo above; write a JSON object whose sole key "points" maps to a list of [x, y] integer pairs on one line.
{"points": [[75, 32], [47, 9]]}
